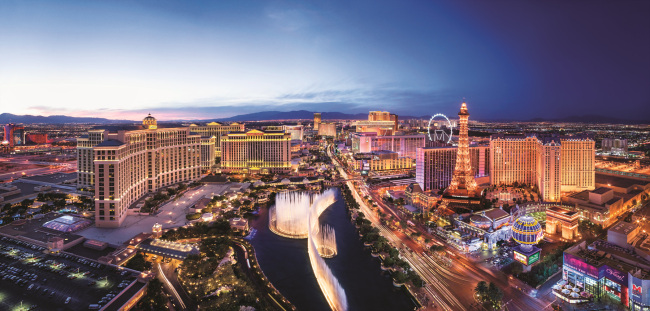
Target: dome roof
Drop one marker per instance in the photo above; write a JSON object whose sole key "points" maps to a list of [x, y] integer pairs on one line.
{"points": [[526, 230], [150, 122]]}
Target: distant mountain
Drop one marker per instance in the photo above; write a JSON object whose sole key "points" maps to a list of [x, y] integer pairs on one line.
{"points": [[29, 119], [592, 119]]}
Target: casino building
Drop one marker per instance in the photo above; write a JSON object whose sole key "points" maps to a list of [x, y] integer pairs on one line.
{"points": [[124, 165], [256, 151], [606, 268]]}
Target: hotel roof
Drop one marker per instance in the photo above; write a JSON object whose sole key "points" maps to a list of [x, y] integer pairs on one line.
{"points": [[110, 143], [602, 190], [622, 227]]}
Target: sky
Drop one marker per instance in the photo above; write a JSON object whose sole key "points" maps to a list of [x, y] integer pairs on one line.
{"points": [[210, 59]]}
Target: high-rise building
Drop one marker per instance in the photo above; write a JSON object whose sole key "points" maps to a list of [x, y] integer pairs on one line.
{"points": [[14, 134], [208, 152], [296, 131], [614, 146], [256, 151], [404, 145], [554, 163], [380, 122], [327, 129], [128, 164], [549, 179], [316, 120], [434, 166], [463, 183], [86, 157], [577, 163], [217, 130], [513, 158]]}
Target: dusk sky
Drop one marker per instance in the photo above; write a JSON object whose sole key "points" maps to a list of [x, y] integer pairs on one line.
{"points": [[210, 59]]}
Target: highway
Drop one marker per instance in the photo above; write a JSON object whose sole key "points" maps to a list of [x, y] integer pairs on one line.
{"points": [[447, 288]]}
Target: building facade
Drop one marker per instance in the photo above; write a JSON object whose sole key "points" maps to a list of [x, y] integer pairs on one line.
{"points": [[434, 166], [208, 152], [381, 161], [256, 151], [217, 130], [404, 145], [316, 120], [86, 157], [327, 129], [129, 164], [554, 163]]}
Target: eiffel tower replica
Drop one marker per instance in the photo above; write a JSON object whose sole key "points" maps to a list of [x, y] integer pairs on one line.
{"points": [[463, 187]]}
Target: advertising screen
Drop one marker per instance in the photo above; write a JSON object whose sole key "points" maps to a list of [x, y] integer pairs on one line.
{"points": [[520, 257], [579, 265], [533, 258]]}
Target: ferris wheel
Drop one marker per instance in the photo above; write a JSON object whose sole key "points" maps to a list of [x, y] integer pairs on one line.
{"points": [[440, 128]]}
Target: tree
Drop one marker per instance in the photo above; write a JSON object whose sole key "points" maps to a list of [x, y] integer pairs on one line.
{"points": [[495, 295], [481, 289]]}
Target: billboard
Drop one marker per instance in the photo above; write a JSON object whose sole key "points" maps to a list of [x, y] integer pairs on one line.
{"points": [[580, 266], [525, 259], [520, 257], [533, 258]]}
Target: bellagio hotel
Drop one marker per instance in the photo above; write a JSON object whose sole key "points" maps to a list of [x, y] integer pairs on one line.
{"points": [[554, 163], [124, 165]]}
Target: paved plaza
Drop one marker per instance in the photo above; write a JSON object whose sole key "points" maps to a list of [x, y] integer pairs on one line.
{"points": [[170, 215]]}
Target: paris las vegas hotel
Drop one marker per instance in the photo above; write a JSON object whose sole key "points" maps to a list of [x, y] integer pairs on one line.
{"points": [[124, 165]]}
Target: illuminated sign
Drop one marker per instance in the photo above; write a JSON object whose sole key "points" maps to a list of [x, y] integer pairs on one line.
{"points": [[637, 289], [520, 257], [533, 258]]}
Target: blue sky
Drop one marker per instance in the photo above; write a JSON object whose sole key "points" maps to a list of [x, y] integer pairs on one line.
{"points": [[210, 59]]}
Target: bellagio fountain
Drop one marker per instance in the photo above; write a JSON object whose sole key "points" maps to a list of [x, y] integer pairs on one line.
{"points": [[295, 215]]}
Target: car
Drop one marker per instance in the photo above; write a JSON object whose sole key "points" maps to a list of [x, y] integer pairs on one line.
{"points": [[51, 294], [67, 300], [30, 287]]}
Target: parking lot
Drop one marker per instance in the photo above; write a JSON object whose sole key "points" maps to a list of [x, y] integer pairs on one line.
{"points": [[33, 280]]}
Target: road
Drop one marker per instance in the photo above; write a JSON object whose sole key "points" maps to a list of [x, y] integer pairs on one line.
{"points": [[448, 288], [166, 274]]}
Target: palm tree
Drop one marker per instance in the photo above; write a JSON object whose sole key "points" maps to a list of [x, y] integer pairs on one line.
{"points": [[481, 289]]}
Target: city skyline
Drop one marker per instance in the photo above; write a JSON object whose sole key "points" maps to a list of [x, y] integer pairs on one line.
{"points": [[205, 61]]}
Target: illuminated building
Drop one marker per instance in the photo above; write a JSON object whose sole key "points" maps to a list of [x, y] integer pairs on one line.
{"points": [[554, 163], [380, 122], [562, 221], [316, 120], [404, 145], [482, 229], [434, 166], [423, 200], [577, 163], [327, 129], [128, 164], [85, 157], [527, 232], [614, 146], [549, 179], [613, 198], [296, 131], [382, 160], [34, 138], [208, 152], [14, 134], [256, 151], [604, 268], [463, 183], [217, 130]]}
